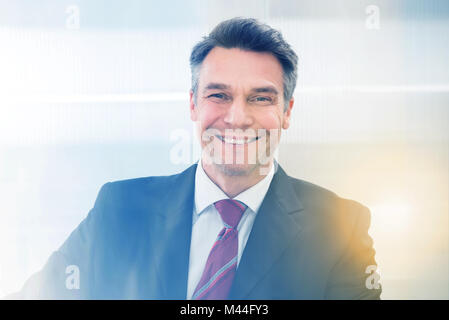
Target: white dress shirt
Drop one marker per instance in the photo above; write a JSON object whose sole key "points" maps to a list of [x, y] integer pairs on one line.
{"points": [[207, 222]]}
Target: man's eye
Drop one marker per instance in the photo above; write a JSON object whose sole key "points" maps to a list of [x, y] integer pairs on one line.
{"points": [[220, 96], [264, 100]]}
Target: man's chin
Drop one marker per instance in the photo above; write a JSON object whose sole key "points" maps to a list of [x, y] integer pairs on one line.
{"points": [[237, 169]]}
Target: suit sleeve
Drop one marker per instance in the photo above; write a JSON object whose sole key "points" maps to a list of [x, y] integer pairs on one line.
{"points": [[67, 273], [354, 276]]}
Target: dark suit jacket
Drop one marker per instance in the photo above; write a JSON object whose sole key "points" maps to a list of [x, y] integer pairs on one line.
{"points": [[306, 243]]}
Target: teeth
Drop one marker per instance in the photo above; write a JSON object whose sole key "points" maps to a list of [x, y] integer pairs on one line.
{"points": [[236, 141]]}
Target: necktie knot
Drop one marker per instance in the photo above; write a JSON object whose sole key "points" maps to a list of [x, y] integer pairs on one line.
{"points": [[231, 211]]}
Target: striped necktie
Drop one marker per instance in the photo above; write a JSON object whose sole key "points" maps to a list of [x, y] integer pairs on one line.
{"points": [[218, 274]]}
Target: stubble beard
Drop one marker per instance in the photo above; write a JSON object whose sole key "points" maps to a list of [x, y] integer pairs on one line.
{"points": [[232, 170], [247, 169]]}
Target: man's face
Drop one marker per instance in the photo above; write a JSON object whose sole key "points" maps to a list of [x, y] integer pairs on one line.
{"points": [[239, 109]]}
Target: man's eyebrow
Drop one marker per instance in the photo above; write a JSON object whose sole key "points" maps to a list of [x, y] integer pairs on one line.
{"points": [[214, 85], [268, 89], [222, 86]]}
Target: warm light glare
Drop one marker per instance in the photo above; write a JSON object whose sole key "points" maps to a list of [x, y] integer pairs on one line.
{"points": [[391, 216]]}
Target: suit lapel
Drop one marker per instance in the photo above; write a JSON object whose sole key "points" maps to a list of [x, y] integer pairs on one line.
{"points": [[174, 232], [272, 232]]}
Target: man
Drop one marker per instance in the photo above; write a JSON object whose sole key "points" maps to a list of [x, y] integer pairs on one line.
{"points": [[233, 226]]}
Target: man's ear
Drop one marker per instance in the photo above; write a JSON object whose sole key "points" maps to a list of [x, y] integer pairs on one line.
{"points": [[193, 108], [287, 114]]}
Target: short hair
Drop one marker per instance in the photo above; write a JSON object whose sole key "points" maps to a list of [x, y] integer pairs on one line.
{"points": [[251, 35]]}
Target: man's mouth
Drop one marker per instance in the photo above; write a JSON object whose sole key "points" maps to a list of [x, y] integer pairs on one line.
{"points": [[237, 140]]}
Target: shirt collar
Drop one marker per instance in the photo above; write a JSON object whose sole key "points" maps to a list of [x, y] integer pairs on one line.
{"points": [[207, 192]]}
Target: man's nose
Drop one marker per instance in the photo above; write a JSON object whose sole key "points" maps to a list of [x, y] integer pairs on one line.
{"points": [[237, 114]]}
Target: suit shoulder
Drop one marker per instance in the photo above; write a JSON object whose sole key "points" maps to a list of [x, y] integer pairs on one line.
{"points": [[156, 184], [339, 218], [150, 183], [313, 196], [151, 187], [326, 201], [303, 187]]}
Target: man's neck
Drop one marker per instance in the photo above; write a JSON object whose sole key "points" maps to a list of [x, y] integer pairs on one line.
{"points": [[233, 185]]}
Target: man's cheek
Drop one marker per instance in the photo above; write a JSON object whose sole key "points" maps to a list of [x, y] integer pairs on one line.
{"points": [[211, 153], [271, 120]]}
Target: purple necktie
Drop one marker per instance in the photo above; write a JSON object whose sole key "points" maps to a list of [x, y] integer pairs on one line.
{"points": [[218, 274]]}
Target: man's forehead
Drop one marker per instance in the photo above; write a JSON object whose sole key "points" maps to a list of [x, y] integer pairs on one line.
{"points": [[233, 66]]}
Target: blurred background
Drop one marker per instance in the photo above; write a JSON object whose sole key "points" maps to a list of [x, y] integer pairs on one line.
{"points": [[96, 91]]}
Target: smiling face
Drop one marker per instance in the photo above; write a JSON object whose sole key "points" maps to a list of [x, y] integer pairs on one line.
{"points": [[239, 110]]}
